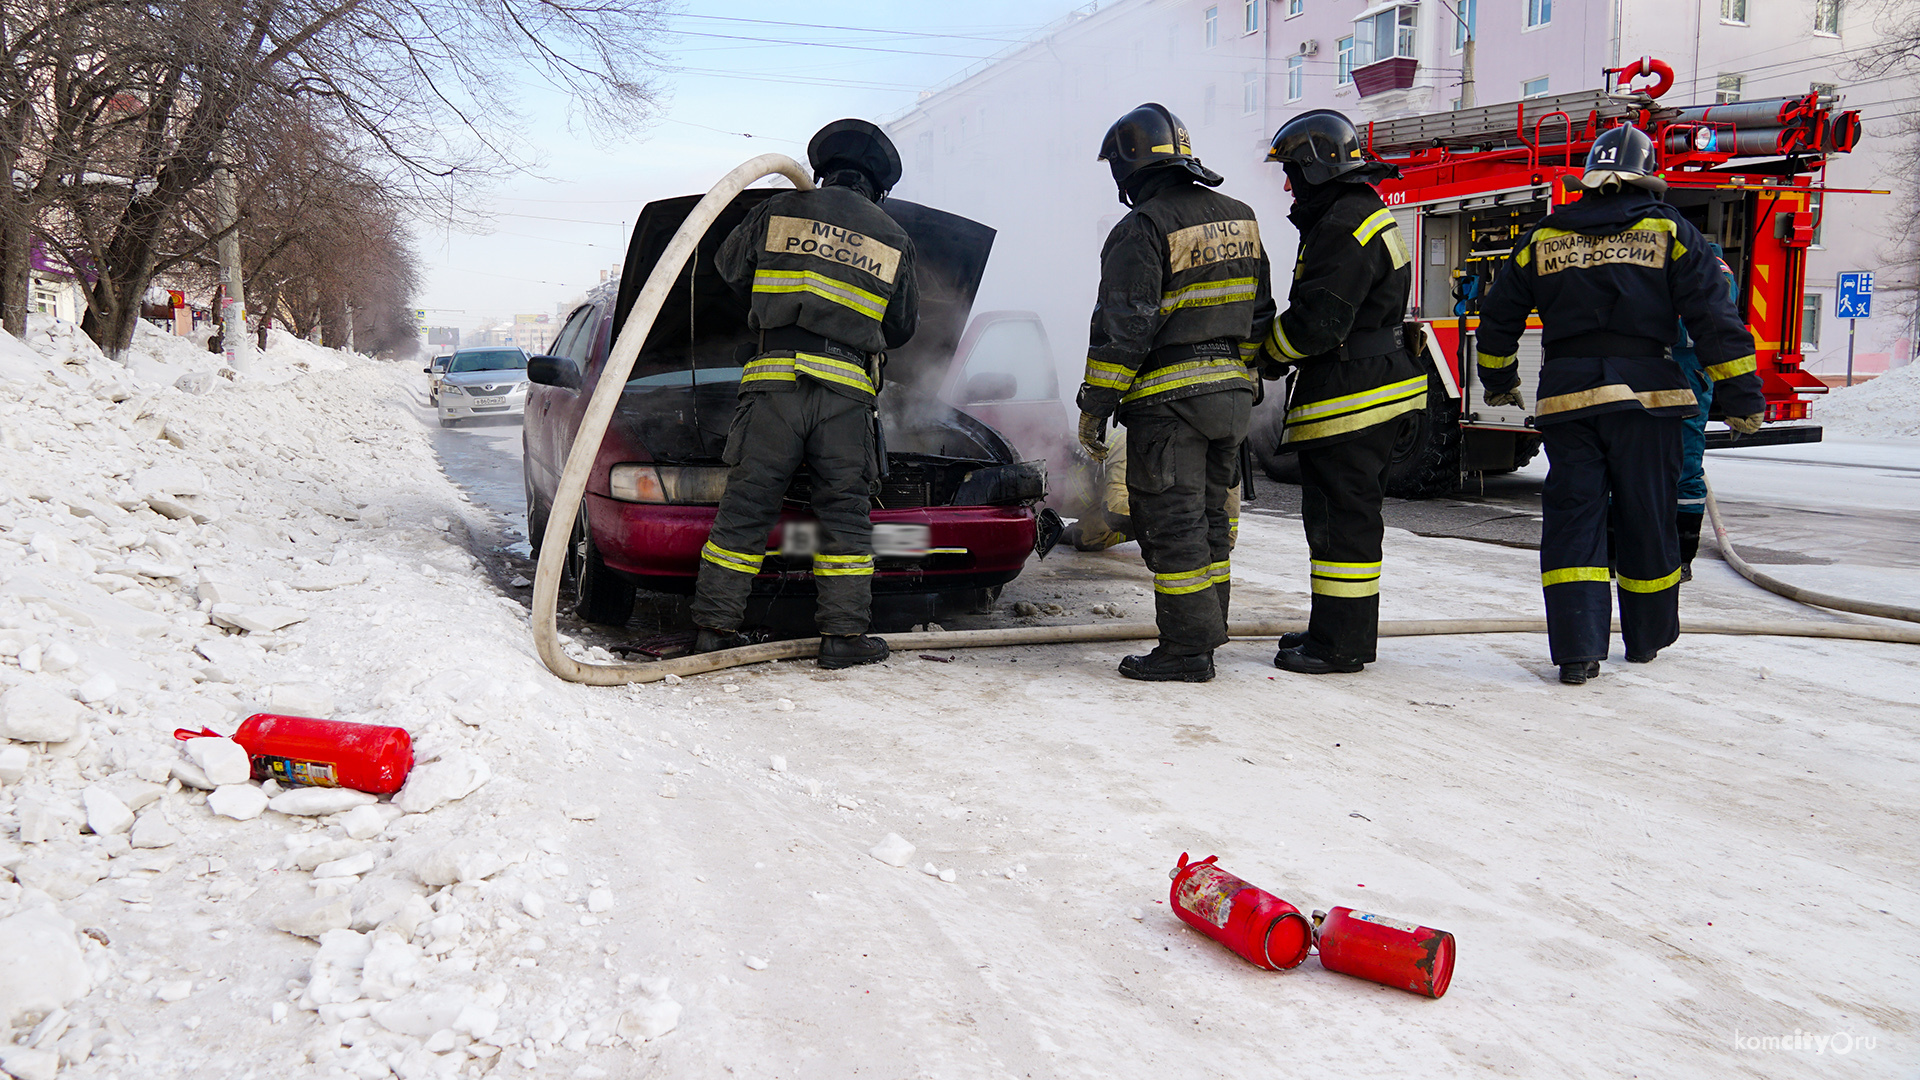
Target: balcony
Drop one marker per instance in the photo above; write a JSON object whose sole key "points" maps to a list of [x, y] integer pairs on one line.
{"points": [[1393, 73]]}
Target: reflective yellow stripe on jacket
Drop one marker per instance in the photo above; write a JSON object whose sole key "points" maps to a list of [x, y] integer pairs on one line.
{"points": [[851, 297], [784, 369], [1209, 294], [1352, 412], [1189, 373]]}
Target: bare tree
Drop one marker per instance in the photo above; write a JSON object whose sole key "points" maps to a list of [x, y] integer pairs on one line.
{"points": [[429, 88], [1896, 55]]}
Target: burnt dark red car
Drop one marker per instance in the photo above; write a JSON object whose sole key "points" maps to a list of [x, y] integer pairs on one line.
{"points": [[955, 516]]}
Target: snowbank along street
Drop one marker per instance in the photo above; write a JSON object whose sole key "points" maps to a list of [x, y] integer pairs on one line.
{"points": [[1703, 867]]}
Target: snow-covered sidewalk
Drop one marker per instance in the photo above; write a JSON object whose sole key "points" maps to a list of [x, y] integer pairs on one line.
{"points": [[1643, 874]]}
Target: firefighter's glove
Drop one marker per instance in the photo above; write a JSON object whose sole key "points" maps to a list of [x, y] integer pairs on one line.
{"points": [[1746, 425], [1497, 398], [1092, 436]]}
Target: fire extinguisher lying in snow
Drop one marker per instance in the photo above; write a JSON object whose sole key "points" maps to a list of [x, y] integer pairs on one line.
{"points": [[300, 750], [1271, 933]]}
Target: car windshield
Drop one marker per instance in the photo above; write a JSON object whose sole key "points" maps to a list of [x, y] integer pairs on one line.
{"points": [[488, 360]]}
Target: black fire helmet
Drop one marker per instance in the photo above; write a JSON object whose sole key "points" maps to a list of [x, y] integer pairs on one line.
{"points": [[1151, 137], [859, 145]]}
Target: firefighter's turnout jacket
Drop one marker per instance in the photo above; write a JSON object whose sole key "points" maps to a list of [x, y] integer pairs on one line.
{"points": [[1185, 292], [831, 281], [1342, 325], [1613, 276]]}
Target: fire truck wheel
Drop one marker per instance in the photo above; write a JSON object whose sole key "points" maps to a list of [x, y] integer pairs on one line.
{"points": [[1426, 456], [598, 595]]}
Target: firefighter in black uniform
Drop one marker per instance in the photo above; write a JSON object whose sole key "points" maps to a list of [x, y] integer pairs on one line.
{"points": [[1357, 380], [1612, 277], [831, 281], [1184, 300]]}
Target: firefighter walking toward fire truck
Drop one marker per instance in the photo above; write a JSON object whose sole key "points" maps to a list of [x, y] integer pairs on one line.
{"points": [[830, 278], [1184, 299], [1357, 380], [1613, 276]]}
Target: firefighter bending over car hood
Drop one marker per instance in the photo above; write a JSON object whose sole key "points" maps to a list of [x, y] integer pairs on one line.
{"points": [[831, 282]]}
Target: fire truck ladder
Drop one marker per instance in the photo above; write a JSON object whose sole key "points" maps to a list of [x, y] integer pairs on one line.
{"points": [[1508, 125]]}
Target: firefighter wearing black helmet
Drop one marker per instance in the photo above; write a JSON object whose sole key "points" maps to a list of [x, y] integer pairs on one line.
{"points": [[830, 280], [1356, 380], [1613, 276], [1184, 300]]}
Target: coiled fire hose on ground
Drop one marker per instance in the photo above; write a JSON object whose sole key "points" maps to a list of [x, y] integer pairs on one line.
{"points": [[1794, 592], [613, 379]]}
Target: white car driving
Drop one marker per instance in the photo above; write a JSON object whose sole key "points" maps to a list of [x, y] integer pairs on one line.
{"points": [[484, 382]]}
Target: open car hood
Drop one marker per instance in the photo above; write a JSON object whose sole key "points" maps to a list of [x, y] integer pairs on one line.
{"points": [[704, 323], [680, 397]]}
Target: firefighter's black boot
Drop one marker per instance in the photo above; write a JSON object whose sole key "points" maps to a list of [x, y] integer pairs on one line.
{"points": [[1578, 674], [847, 650], [707, 641], [1162, 666], [1293, 640], [1689, 541], [1301, 662]]}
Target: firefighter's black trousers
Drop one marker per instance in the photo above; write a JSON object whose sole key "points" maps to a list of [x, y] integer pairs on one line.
{"points": [[1341, 487], [773, 434], [1182, 457], [1625, 464]]}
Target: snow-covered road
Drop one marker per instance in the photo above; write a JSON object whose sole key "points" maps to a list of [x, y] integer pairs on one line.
{"points": [[1662, 873]]}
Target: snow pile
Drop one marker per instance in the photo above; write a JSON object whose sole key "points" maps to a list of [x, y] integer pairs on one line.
{"points": [[1885, 407], [181, 547]]}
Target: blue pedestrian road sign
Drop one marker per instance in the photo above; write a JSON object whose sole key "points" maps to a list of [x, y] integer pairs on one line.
{"points": [[1855, 300]]}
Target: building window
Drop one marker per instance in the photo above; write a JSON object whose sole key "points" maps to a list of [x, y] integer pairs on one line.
{"points": [[1728, 89], [1296, 7], [1539, 13], [1826, 17], [1296, 77], [1343, 68], [1249, 93], [1211, 19], [1819, 221], [1250, 16], [1383, 36], [1463, 23], [1534, 88], [1810, 322], [1733, 11]]}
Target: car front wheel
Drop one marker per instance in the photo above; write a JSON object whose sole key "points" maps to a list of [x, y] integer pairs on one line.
{"points": [[599, 596]]}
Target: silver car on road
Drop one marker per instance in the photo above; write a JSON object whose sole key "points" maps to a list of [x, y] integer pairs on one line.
{"points": [[484, 382]]}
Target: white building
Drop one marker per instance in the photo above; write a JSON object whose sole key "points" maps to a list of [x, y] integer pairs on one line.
{"points": [[1012, 142]]}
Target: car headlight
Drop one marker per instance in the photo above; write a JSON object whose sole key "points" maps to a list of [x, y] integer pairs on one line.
{"points": [[686, 484], [451, 388]]}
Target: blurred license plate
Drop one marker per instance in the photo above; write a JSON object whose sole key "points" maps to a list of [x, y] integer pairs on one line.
{"points": [[483, 402], [900, 540], [802, 538]]}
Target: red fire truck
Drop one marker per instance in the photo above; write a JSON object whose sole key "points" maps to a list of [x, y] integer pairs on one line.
{"points": [[1750, 175]]}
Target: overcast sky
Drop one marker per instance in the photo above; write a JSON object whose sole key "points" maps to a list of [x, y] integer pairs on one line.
{"points": [[767, 68]]}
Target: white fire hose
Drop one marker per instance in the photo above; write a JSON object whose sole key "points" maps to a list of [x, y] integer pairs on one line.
{"points": [[613, 380]]}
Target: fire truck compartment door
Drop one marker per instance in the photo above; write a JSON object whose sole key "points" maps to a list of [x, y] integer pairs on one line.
{"points": [[1506, 417]]}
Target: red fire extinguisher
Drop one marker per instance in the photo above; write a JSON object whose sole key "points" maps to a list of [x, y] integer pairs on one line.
{"points": [[1386, 951], [300, 750], [1259, 926]]}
